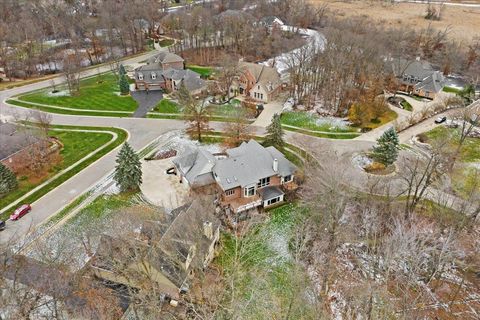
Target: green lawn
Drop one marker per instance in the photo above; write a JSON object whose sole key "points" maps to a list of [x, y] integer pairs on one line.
{"points": [[92, 96], [259, 266], [406, 105], [305, 120], [203, 71], [167, 106], [466, 181], [470, 151], [70, 112], [389, 116], [166, 42], [171, 110], [451, 90], [76, 146]]}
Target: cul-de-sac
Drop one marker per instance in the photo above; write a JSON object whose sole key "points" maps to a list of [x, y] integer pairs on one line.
{"points": [[239, 159]]}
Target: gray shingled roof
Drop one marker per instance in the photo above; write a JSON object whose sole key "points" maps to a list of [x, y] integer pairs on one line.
{"points": [[244, 166], [270, 192], [418, 69], [165, 57], [248, 163], [196, 166], [14, 138], [433, 83]]}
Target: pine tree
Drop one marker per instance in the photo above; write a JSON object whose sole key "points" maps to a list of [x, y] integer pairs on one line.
{"points": [[8, 181], [124, 85], [386, 150], [128, 172], [121, 71], [275, 133]]}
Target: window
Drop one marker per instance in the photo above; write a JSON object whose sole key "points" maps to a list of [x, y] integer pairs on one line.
{"points": [[263, 182], [140, 76], [287, 178], [230, 192], [249, 191], [273, 201]]}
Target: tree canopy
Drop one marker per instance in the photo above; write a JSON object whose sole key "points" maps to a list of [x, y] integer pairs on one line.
{"points": [[275, 134], [8, 181], [128, 172], [386, 150]]}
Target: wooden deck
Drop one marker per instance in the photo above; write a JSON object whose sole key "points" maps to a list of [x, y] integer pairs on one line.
{"points": [[242, 204]]}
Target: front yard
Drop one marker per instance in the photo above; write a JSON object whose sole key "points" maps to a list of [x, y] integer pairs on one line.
{"points": [[171, 109], [205, 72], [96, 93], [305, 120], [470, 151], [76, 146]]}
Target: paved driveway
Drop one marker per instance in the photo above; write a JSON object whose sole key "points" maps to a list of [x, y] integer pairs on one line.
{"points": [[160, 188], [147, 100]]}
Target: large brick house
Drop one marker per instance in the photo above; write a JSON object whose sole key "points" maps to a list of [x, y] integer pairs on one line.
{"points": [[243, 178], [418, 77], [165, 71], [259, 82]]}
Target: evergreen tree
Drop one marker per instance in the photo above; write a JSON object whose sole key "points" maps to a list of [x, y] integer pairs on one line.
{"points": [[124, 85], [121, 71], [386, 150], [128, 172], [275, 133], [8, 181]]}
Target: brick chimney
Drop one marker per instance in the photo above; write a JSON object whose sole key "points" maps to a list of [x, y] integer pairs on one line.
{"points": [[208, 229]]}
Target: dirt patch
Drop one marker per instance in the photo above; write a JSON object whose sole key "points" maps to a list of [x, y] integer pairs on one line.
{"points": [[463, 22]]}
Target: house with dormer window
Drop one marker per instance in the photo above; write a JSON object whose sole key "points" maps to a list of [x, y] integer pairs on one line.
{"points": [[243, 178], [259, 82], [165, 71], [418, 77]]}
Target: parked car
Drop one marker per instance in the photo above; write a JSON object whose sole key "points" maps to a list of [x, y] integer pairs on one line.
{"points": [[288, 105], [2, 225], [20, 212], [440, 120]]}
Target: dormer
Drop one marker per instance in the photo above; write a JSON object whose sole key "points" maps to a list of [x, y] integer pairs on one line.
{"points": [[153, 75], [140, 76]]}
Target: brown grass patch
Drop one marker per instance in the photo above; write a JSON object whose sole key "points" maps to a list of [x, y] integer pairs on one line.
{"points": [[463, 22]]}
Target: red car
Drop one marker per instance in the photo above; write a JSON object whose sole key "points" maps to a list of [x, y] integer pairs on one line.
{"points": [[20, 212]]}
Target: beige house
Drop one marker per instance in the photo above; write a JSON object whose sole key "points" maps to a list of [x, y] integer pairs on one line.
{"points": [[244, 178], [257, 81], [168, 251]]}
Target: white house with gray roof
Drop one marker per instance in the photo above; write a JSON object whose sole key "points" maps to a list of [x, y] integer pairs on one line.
{"points": [[245, 177]]}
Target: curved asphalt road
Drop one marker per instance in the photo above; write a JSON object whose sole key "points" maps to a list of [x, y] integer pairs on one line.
{"points": [[141, 133]]}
